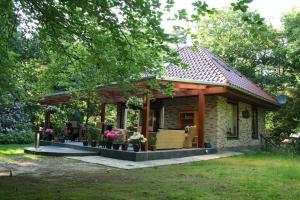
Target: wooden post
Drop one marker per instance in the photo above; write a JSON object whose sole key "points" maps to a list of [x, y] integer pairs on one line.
{"points": [[201, 119], [102, 117], [47, 120], [145, 124]]}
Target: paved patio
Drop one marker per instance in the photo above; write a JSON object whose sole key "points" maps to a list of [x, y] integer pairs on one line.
{"points": [[58, 151], [124, 164]]}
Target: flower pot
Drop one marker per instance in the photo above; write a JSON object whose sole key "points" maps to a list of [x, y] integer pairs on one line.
{"points": [[143, 147], [108, 145], [116, 146], [62, 140], [85, 143], [153, 147], [207, 145], [49, 137], [136, 147], [94, 143], [124, 147]]}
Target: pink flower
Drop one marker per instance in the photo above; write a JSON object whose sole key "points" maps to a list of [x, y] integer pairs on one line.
{"points": [[49, 131], [110, 134]]}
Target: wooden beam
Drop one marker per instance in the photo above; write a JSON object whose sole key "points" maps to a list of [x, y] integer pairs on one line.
{"points": [[189, 86], [238, 96], [201, 119], [178, 93], [215, 90], [145, 124], [47, 120], [102, 117]]}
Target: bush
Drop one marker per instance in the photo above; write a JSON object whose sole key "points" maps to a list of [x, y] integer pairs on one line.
{"points": [[22, 137]]}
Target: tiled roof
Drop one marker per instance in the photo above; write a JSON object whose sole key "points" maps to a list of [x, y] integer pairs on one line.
{"points": [[207, 68]]}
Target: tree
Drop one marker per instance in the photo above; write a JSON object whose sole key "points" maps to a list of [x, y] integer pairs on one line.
{"points": [[258, 52], [267, 56]]}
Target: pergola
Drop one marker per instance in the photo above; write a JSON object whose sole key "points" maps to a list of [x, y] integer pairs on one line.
{"points": [[113, 94]]}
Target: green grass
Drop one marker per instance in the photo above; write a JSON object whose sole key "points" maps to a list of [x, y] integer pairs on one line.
{"points": [[252, 176], [14, 152]]}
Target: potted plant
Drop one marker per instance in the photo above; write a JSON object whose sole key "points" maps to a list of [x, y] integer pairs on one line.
{"points": [[93, 134], [118, 141], [110, 135], [152, 141], [136, 140], [49, 134], [124, 146], [207, 144], [135, 103]]}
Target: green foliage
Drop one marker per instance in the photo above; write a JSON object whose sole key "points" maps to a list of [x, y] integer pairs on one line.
{"points": [[261, 53], [93, 132], [13, 115], [22, 137], [152, 139], [132, 119], [135, 102]]}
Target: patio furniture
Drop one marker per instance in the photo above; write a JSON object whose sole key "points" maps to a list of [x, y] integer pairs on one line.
{"points": [[191, 138], [170, 139]]}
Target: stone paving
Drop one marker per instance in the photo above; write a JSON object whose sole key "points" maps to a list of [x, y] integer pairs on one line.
{"points": [[58, 151], [124, 164]]}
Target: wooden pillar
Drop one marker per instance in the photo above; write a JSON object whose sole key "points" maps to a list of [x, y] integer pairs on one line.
{"points": [[145, 124], [201, 119], [47, 120], [102, 117]]}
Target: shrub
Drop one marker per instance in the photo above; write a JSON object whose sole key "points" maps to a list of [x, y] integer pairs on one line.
{"points": [[22, 137]]}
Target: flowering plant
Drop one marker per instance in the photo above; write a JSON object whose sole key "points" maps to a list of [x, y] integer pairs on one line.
{"points": [[110, 134], [137, 138], [49, 131]]}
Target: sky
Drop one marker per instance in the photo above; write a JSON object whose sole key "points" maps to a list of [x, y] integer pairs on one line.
{"points": [[271, 10]]}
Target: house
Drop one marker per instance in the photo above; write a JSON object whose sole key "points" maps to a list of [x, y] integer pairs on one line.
{"points": [[227, 109]]}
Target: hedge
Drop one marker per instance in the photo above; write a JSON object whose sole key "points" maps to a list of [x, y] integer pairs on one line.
{"points": [[23, 137]]}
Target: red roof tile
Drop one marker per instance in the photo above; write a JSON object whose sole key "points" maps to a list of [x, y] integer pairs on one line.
{"points": [[204, 66]]}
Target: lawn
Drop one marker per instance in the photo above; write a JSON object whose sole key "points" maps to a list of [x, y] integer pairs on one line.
{"points": [[251, 176]]}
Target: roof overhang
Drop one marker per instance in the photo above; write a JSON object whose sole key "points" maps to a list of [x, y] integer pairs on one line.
{"points": [[182, 88]]}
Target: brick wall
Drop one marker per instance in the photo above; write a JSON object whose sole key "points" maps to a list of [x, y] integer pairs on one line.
{"points": [[216, 120], [245, 126]]}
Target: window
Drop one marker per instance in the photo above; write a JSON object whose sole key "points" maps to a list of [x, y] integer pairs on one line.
{"points": [[233, 121], [254, 123]]}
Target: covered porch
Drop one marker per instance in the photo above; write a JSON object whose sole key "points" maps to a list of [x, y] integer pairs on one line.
{"points": [[153, 115]]}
